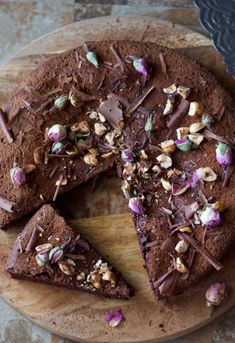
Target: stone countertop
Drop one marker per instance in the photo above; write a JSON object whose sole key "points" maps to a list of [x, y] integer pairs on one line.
{"points": [[26, 20]]}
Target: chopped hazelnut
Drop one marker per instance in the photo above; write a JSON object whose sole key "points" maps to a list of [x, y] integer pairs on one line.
{"points": [[181, 247], [110, 276], [143, 155], [182, 132], [180, 266], [96, 280], [196, 138], [195, 127], [100, 129], [82, 127], [168, 107], [183, 91], [170, 90], [101, 117], [166, 185], [110, 138], [156, 169], [168, 146], [165, 161], [91, 159], [195, 108]]}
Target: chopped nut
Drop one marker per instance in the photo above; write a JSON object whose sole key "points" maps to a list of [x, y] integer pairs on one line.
{"points": [[186, 229], [183, 91], [173, 172], [43, 247], [206, 174], [180, 266], [126, 189], [166, 185], [156, 169], [63, 182], [96, 280], [129, 169], [196, 138], [170, 90], [143, 166], [67, 266], [110, 138], [143, 155], [71, 150], [93, 114], [165, 161], [182, 132], [110, 276], [91, 158], [181, 247], [98, 264], [81, 276], [218, 205], [107, 154], [168, 146], [101, 117], [38, 155], [82, 127], [195, 108], [74, 98], [100, 129], [104, 267], [195, 127], [168, 107]]}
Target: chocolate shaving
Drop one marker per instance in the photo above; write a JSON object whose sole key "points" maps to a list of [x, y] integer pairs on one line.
{"points": [[190, 210], [101, 82], [119, 62], [75, 257], [209, 134], [156, 148], [191, 256], [158, 283], [151, 244], [52, 173], [110, 110], [27, 105], [163, 63], [168, 286], [39, 228], [138, 101], [178, 114], [227, 174], [58, 187], [204, 235], [32, 240], [6, 204], [220, 111], [203, 251], [126, 103], [201, 196], [4, 128]]}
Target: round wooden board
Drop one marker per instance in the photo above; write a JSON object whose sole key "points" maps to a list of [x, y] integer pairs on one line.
{"points": [[77, 315]]}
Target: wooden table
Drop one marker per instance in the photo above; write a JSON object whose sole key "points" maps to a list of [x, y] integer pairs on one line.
{"points": [[180, 11]]}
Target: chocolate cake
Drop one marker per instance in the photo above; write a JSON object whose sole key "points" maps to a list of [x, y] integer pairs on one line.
{"points": [[50, 251], [160, 119]]}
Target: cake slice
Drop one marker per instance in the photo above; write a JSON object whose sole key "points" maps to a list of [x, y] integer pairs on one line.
{"points": [[50, 251]]}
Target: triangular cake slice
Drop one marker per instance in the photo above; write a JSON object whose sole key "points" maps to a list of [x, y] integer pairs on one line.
{"points": [[50, 251]]}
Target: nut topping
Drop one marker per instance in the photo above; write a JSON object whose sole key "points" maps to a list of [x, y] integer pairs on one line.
{"points": [[67, 266], [96, 280], [43, 247], [195, 108], [170, 90], [165, 161], [100, 129], [180, 266], [181, 247], [182, 132], [110, 276], [168, 108], [183, 91]]}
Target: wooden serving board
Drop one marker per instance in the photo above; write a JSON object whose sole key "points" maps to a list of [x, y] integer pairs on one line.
{"points": [[108, 226]]}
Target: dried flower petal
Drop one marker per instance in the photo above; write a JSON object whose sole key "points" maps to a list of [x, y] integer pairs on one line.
{"points": [[216, 293], [18, 176], [210, 217], [224, 154], [183, 144], [181, 188], [114, 318], [135, 204], [127, 155], [57, 133]]}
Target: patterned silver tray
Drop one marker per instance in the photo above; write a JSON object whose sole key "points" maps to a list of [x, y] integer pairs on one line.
{"points": [[218, 18]]}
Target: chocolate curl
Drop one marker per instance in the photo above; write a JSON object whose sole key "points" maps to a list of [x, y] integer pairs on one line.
{"points": [[227, 174], [136, 103], [178, 114], [209, 134], [119, 62], [160, 281], [32, 240], [163, 63], [58, 187], [4, 128], [203, 251]]}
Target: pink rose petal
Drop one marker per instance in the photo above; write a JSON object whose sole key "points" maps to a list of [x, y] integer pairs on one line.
{"points": [[114, 318]]}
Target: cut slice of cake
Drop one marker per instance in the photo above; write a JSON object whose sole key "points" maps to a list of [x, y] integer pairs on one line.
{"points": [[50, 251]]}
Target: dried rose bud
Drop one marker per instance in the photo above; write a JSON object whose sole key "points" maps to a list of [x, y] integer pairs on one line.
{"points": [[18, 176], [140, 65], [148, 127], [127, 155], [210, 217], [61, 102], [42, 258], [56, 254], [58, 148], [207, 120], [224, 154], [57, 133], [114, 318], [183, 144], [216, 293], [92, 58], [135, 204]]}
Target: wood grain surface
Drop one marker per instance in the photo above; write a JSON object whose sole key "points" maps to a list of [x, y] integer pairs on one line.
{"points": [[76, 315]]}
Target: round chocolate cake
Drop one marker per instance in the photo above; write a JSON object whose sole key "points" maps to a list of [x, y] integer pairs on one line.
{"points": [[160, 119]]}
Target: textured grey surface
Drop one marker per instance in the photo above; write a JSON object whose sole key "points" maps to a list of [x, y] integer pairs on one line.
{"points": [[22, 21]]}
